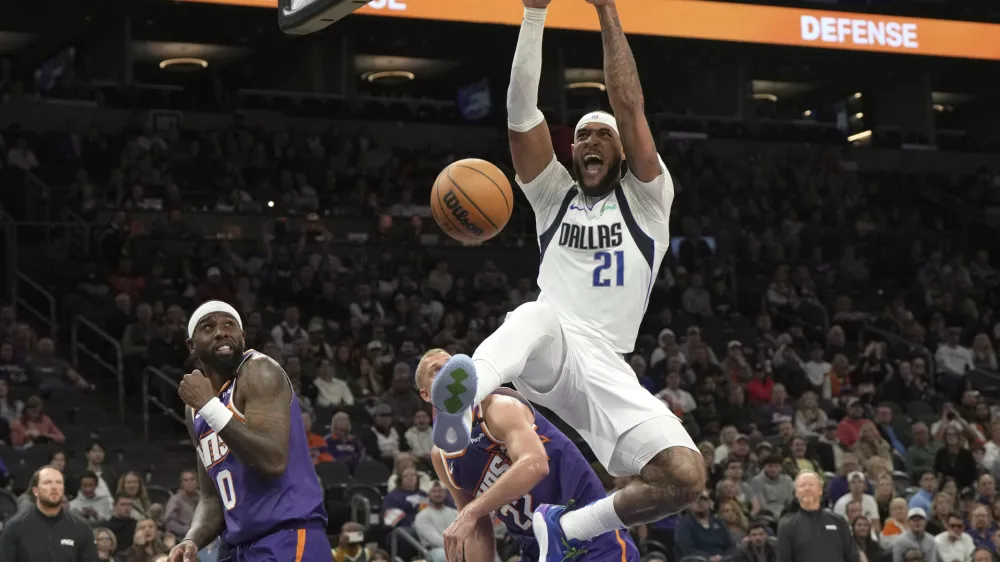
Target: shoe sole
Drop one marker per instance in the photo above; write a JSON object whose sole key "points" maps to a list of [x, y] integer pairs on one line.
{"points": [[452, 395], [541, 530]]}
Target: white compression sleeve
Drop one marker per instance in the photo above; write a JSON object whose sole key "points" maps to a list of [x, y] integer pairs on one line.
{"points": [[522, 93]]}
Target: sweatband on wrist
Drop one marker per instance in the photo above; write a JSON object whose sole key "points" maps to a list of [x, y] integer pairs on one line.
{"points": [[525, 74], [216, 414]]}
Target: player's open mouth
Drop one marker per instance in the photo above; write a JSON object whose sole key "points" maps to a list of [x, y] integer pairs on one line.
{"points": [[592, 164], [224, 349]]}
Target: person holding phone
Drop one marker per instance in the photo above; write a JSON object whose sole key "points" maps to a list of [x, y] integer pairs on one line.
{"points": [[351, 547]]}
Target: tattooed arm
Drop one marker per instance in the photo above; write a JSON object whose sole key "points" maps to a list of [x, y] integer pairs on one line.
{"points": [[208, 520], [261, 440], [625, 95]]}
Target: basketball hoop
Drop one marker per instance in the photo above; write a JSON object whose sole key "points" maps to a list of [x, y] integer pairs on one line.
{"points": [[302, 17]]}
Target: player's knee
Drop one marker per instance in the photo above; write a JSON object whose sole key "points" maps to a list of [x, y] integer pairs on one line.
{"points": [[679, 472]]}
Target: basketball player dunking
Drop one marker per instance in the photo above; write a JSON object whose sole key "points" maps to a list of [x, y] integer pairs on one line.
{"points": [[602, 237], [515, 460], [259, 489]]}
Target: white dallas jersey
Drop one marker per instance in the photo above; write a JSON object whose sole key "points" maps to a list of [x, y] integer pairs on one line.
{"points": [[599, 259]]}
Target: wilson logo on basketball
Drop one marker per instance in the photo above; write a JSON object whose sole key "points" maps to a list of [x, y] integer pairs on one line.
{"points": [[460, 214]]}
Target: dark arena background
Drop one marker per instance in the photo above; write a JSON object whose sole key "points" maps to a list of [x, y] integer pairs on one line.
{"points": [[835, 243]]}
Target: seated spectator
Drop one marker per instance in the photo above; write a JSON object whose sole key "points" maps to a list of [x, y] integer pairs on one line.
{"points": [[34, 426], [701, 533], [756, 548], [850, 427], [681, 398], [942, 506], [953, 360], [870, 445], [88, 505], [772, 487], [121, 523], [956, 461], [331, 392], [798, 460], [839, 485], [829, 453], [761, 385], [921, 453], [885, 493], [857, 487], [915, 538], [351, 545], [402, 396], [10, 407], [894, 525], [50, 373], [982, 528], [131, 485], [864, 537], [737, 412], [954, 544], [402, 504], [810, 419], [778, 411], [727, 438], [342, 445], [986, 489], [317, 444], [984, 356], [179, 512], [107, 544], [743, 493], [402, 463], [384, 440], [146, 543], [731, 513], [419, 436], [432, 521]]}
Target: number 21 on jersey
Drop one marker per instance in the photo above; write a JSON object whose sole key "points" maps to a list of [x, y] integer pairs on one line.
{"points": [[227, 490], [610, 269]]}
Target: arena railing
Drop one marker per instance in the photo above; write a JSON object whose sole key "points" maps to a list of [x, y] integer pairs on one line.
{"points": [[398, 534], [116, 368], [148, 398], [22, 304]]}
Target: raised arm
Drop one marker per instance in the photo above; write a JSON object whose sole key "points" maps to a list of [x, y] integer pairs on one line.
{"points": [[208, 520], [625, 95], [261, 440], [530, 141], [479, 546]]}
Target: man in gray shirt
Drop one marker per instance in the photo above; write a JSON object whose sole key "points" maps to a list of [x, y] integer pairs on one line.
{"points": [[772, 487], [432, 521], [915, 538]]}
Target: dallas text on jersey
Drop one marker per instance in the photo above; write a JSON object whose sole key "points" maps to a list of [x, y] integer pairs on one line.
{"points": [[596, 237]]}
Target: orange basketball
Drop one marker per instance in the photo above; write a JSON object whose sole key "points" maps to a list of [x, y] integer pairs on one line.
{"points": [[471, 200]]}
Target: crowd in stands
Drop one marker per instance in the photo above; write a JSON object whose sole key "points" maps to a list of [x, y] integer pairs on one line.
{"points": [[811, 316]]}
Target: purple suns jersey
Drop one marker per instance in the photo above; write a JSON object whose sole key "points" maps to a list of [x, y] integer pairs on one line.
{"points": [[570, 478], [256, 505]]}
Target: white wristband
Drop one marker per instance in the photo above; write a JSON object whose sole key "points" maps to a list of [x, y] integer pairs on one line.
{"points": [[216, 414]]}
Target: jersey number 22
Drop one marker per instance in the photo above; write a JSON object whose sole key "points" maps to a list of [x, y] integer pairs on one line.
{"points": [[604, 263]]}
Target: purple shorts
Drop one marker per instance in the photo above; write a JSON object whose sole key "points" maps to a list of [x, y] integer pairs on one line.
{"points": [[290, 545]]}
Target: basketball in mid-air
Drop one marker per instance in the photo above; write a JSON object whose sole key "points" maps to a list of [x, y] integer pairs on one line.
{"points": [[471, 200]]}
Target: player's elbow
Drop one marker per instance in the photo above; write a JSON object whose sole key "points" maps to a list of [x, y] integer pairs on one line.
{"points": [[538, 466]]}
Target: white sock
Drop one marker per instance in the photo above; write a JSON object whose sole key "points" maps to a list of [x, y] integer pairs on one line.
{"points": [[592, 520], [488, 376]]}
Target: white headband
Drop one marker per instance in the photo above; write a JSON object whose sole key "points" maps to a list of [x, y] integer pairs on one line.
{"points": [[210, 307], [600, 117]]}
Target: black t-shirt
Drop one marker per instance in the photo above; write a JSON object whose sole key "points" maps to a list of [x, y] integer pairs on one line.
{"points": [[31, 536]]}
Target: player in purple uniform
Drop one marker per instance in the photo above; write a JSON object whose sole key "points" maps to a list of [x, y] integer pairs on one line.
{"points": [[515, 461], [259, 489]]}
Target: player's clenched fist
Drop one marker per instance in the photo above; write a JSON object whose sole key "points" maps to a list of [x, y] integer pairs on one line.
{"points": [[186, 551], [196, 390]]}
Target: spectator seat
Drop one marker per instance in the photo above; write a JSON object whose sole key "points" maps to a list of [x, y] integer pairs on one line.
{"points": [[372, 473], [158, 494], [333, 475]]}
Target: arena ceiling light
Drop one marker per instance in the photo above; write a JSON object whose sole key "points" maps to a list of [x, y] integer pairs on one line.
{"points": [[857, 95], [183, 63], [586, 86], [766, 97], [860, 136], [393, 75]]}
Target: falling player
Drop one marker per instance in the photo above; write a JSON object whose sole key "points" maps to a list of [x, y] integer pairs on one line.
{"points": [[258, 486], [515, 459], [602, 238]]}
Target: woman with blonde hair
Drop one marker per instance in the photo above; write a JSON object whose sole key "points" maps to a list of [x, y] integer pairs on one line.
{"points": [[895, 525], [131, 485], [146, 544], [871, 444], [810, 419], [885, 492], [732, 515], [403, 462], [942, 505], [107, 544]]}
